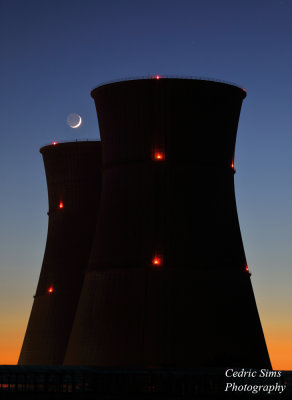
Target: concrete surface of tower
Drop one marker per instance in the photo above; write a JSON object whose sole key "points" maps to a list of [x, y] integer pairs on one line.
{"points": [[73, 172], [168, 283]]}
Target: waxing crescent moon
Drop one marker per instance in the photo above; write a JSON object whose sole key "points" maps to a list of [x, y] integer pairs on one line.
{"points": [[74, 120]]}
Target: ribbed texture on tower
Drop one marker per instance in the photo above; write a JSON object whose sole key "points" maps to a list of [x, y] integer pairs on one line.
{"points": [[167, 284], [73, 172]]}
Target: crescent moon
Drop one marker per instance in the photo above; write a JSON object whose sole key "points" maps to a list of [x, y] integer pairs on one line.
{"points": [[78, 123], [74, 120]]}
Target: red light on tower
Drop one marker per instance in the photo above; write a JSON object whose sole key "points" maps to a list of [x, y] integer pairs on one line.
{"points": [[61, 205], [54, 143], [159, 156], [50, 289], [157, 77], [157, 261]]}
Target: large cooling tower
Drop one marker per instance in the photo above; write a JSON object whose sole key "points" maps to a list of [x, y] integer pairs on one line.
{"points": [[168, 283], [73, 172]]}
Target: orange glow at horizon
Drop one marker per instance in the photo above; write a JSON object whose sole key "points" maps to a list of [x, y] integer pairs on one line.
{"points": [[278, 339], [280, 349], [10, 350], [11, 335]]}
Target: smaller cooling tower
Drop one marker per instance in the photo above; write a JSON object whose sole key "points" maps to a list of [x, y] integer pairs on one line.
{"points": [[73, 172]]}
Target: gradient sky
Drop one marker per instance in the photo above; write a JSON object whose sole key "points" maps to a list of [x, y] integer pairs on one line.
{"points": [[53, 52]]}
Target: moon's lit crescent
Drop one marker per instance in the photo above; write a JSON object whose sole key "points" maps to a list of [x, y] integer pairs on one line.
{"points": [[74, 120], [78, 123]]}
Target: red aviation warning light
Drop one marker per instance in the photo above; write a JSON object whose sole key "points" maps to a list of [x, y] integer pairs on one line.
{"points": [[157, 261], [61, 205], [159, 156], [50, 290], [54, 143], [247, 269]]}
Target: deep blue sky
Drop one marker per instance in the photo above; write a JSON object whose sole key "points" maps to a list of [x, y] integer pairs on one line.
{"points": [[54, 52]]}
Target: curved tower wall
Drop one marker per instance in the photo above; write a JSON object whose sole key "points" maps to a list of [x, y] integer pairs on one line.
{"points": [[73, 172], [167, 284]]}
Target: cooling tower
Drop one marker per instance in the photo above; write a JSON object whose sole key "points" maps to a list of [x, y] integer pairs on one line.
{"points": [[168, 283], [73, 172]]}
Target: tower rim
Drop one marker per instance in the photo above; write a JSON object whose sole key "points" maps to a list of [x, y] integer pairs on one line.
{"points": [[168, 78], [69, 144]]}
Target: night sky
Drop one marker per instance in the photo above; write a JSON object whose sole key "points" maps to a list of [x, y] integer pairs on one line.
{"points": [[54, 52]]}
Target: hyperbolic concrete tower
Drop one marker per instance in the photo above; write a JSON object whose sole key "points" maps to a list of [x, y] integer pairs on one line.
{"points": [[168, 283], [73, 172]]}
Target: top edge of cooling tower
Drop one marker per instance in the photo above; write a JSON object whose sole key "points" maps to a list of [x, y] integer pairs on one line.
{"points": [[216, 86], [86, 145]]}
